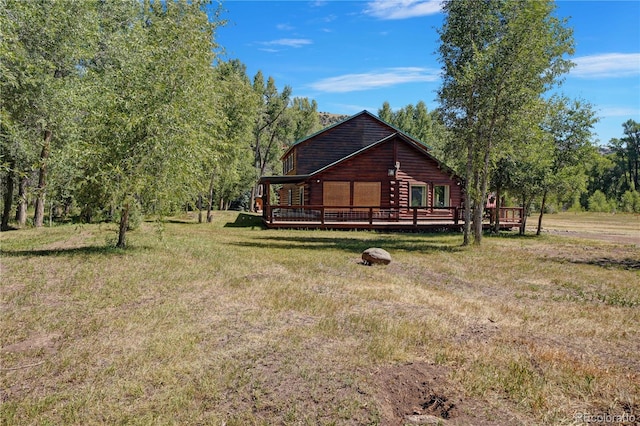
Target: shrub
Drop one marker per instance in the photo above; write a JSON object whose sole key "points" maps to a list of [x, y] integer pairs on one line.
{"points": [[598, 203], [630, 202]]}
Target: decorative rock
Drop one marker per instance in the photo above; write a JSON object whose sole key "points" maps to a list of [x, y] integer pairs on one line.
{"points": [[376, 255]]}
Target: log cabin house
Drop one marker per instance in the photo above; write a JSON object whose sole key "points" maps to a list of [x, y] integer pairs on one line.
{"points": [[363, 173]]}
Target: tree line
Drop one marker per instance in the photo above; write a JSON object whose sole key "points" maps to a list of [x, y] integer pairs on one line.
{"points": [[111, 109], [114, 108]]}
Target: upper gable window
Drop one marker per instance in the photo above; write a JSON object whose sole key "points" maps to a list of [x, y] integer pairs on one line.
{"points": [[287, 164]]}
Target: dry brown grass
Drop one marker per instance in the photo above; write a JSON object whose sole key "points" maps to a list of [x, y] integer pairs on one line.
{"points": [[213, 324]]}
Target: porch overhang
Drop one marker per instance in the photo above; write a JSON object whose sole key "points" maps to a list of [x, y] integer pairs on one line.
{"points": [[274, 180]]}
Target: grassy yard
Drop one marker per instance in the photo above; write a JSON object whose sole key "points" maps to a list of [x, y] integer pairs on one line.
{"points": [[229, 324]]}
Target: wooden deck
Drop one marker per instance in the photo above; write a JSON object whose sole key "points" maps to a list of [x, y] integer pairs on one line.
{"points": [[376, 218]]}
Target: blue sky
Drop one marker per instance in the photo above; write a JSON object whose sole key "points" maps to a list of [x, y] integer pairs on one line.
{"points": [[355, 55]]}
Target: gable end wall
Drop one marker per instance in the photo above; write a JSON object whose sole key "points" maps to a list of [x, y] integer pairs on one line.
{"points": [[418, 169], [339, 142]]}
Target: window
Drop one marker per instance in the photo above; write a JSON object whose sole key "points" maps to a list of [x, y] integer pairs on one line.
{"points": [[418, 196], [336, 194], [366, 194], [441, 196], [287, 164], [301, 196]]}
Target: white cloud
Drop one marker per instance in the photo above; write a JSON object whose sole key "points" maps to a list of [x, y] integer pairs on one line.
{"points": [[351, 108], [402, 9], [612, 111], [376, 79], [607, 65], [284, 27], [289, 42]]}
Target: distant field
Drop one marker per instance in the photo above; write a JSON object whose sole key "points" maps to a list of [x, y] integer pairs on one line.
{"points": [[624, 228], [230, 324]]}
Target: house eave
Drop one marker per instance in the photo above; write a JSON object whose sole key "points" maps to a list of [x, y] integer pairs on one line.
{"points": [[284, 179]]}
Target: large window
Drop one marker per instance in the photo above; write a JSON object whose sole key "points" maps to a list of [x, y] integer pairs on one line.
{"points": [[366, 194], [336, 194], [441, 196], [418, 196]]}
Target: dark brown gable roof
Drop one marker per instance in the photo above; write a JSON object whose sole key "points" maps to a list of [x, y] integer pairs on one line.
{"points": [[339, 141], [329, 128]]}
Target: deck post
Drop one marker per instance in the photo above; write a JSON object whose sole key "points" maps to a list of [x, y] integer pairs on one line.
{"points": [[266, 201], [322, 215], [415, 216], [455, 215], [370, 215]]}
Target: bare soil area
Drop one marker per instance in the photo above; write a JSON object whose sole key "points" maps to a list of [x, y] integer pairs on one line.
{"points": [[422, 394]]}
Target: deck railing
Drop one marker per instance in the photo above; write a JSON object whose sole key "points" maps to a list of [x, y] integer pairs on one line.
{"points": [[507, 215], [371, 214]]}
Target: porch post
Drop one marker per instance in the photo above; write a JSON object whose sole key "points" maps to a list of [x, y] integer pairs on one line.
{"points": [[266, 206]]}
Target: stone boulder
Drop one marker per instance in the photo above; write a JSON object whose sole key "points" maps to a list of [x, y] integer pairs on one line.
{"points": [[374, 255]]}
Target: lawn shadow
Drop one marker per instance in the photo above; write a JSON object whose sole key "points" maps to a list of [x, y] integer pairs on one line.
{"points": [[628, 263], [245, 220], [349, 244], [71, 251], [179, 221]]}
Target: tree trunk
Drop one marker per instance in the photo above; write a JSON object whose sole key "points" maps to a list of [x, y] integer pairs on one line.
{"points": [[8, 198], [200, 208], [38, 218], [124, 224], [542, 206], [467, 197], [483, 186], [21, 210], [636, 182], [526, 206], [478, 211], [210, 199]]}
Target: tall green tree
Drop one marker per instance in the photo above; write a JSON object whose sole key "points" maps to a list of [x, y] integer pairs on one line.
{"points": [[272, 128], [419, 122], [43, 47], [230, 170], [151, 119], [628, 150], [569, 124], [305, 117], [605, 173], [497, 57]]}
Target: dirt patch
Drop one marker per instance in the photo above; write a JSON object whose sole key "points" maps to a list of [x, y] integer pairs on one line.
{"points": [[42, 342], [421, 393]]}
